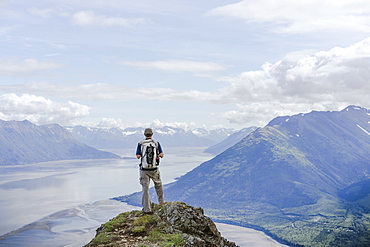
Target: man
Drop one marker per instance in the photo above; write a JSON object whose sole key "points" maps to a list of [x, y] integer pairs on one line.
{"points": [[149, 168]]}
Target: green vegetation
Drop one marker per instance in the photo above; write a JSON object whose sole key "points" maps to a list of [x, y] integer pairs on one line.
{"points": [[166, 240], [103, 238], [114, 223], [146, 220], [135, 223], [327, 223]]}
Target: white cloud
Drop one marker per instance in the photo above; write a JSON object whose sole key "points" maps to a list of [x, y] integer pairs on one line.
{"points": [[326, 80], [290, 16], [15, 67], [159, 124], [112, 123], [108, 92], [89, 18], [177, 66], [40, 110], [183, 125], [260, 113], [118, 123]]}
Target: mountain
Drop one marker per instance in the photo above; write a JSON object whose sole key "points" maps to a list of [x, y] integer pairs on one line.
{"points": [[171, 224], [24, 142], [116, 138], [230, 141], [293, 179]]}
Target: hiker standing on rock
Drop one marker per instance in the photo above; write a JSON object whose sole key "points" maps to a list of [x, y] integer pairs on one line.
{"points": [[149, 151]]}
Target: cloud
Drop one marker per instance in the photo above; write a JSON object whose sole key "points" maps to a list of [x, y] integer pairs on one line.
{"points": [[326, 80], [89, 18], [15, 67], [290, 16], [177, 66], [118, 123], [107, 92], [112, 123], [183, 125], [260, 113], [40, 110], [336, 72]]}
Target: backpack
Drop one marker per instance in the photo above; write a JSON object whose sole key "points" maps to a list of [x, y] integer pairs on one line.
{"points": [[149, 154]]}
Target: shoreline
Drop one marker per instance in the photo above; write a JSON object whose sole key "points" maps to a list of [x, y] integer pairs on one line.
{"points": [[257, 228], [72, 227]]}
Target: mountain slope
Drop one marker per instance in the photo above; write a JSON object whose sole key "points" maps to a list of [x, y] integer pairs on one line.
{"points": [[286, 177], [24, 142], [289, 163]]}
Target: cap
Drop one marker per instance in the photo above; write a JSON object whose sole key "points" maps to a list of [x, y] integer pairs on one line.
{"points": [[148, 132]]}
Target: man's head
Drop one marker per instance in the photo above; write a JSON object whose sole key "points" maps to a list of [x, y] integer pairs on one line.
{"points": [[148, 132]]}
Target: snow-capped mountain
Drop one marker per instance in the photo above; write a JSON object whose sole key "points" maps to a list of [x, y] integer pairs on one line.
{"points": [[116, 138]]}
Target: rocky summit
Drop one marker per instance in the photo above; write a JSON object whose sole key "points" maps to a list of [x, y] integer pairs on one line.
{"points": [[171, 224]]}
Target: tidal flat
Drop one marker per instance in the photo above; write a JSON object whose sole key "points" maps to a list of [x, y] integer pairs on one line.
{"points": [[61, 203]]}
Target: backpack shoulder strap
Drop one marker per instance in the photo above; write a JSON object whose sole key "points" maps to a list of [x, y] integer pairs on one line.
{"points": [[156, 146], [149, 141]]}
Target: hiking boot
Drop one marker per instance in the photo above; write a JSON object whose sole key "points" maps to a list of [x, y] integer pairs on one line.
{"points": [[149, 212]]}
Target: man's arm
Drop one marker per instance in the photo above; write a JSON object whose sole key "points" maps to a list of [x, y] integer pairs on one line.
{"points": [[161, 154], [138, 151]]}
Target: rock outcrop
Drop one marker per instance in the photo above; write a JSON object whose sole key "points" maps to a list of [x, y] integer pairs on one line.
{"points": [[171, 224]]}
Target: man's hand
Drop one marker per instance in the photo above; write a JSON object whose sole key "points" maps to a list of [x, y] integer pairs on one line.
{"points": [[161, 155], [138, 156]]}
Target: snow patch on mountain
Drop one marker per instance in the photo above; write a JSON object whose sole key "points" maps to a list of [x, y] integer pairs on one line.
{"points": [[128, 133], [363, 129]]}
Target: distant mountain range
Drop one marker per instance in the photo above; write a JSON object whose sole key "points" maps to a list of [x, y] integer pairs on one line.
{"points": [[117, 138], [303, 179], [24, 142]]}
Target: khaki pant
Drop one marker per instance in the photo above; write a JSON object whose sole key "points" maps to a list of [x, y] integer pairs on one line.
{"points": [[145, 177]]}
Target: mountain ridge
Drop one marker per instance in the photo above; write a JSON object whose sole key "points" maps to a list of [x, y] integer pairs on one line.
{"points": [[22, 142], [230, 141]]}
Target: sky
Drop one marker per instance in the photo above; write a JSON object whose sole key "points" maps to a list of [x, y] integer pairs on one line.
{"points": [[204, 63]]}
